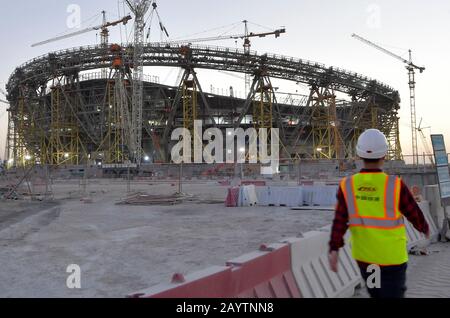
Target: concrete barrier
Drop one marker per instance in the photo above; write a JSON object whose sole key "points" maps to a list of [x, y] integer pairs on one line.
{"points": [[437, 211], [256, 183], [415, 238], [214, 282], [311, 267], [264, 274], [280, 196], [247, 196], [297, 196], [319, 195], [232, 197]]}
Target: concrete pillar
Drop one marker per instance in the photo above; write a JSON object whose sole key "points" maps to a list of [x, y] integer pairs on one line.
{"points": [[432, 195], [437, 212]]}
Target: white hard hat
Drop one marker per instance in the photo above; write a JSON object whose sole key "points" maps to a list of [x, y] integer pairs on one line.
{"points": [[372, 144]]}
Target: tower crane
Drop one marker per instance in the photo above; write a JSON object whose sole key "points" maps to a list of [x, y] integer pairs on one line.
{"points": [[411, 67], [4, 94], [139, 9], [246, 36], [103, 27], [1, 116]]}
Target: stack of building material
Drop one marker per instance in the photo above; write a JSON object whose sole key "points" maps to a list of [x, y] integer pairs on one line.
{"points": [[147, 199]]}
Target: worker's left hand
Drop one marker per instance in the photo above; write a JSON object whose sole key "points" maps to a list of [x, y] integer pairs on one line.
{"points": [[333, 258]]}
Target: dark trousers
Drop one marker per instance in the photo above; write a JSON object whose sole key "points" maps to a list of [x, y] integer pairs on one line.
{"points": [[392, 281]]}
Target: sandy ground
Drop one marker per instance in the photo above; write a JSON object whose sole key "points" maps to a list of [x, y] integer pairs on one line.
{"points": [[124, 249]]}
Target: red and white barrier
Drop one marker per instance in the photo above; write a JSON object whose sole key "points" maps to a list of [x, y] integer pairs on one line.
{"points": [[213, 282], [264, 274], [232, 198]]}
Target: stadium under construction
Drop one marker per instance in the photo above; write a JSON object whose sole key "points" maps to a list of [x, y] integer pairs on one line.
{"points": [[74, 106]]}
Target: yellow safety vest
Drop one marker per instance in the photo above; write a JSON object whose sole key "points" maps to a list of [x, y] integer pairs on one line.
{"points": [[378, 234]]}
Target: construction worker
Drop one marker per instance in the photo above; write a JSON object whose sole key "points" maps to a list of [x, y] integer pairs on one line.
{"points": [[373, 204]]}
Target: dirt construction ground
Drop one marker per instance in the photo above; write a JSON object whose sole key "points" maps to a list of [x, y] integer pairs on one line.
{"points": [[123, 249]]}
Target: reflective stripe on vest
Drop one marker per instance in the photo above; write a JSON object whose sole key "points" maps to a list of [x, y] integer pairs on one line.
{"points": [[380, 223], [350, 196], [390, 197]]}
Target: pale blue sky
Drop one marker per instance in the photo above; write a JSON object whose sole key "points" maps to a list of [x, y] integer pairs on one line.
{"points": [[318, 30]]}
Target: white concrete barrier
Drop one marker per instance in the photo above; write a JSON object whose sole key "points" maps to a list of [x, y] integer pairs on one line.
{"points": [[247, 196], [297, 196], [311, 268], [437, 212], [319, 195], [415, 238], [433, 196], [280, 196]]}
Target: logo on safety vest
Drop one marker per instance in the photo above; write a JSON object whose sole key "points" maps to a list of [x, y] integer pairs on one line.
{"points": [[367, 189]]}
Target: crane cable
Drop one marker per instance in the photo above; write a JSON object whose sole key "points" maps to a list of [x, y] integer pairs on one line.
{"points": [[205, 31]]}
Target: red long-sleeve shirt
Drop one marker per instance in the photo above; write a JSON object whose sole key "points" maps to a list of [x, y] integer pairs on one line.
{"points": [[408, 208]]}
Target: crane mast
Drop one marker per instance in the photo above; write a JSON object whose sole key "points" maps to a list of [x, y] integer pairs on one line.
{"points": [[411, 67], [139, 9]]}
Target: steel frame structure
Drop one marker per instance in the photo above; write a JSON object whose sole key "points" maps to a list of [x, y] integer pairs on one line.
{"points": [[100, 109]]}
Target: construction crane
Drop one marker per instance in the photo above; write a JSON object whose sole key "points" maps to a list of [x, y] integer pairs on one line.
{"points": [[139, 9], [426, 147], [4, 94], [246, 36], [4, 102], [161, 25], [1, 117], [103, 27], [411, 67]]}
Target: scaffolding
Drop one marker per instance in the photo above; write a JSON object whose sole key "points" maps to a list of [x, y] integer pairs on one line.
{"points": [[21, 157], [326, 137], [112, 144], [190, 106], [393, 137], [263, 105], [64, 143]]}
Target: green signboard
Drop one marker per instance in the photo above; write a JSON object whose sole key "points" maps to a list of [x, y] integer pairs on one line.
{"points": [[441, 159]]}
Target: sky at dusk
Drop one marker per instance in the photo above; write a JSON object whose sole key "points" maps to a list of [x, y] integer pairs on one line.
{"points": [[317, 30]]}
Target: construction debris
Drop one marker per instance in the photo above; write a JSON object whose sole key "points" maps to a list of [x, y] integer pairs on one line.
{"points": [[142, 198], [148, 199]]}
